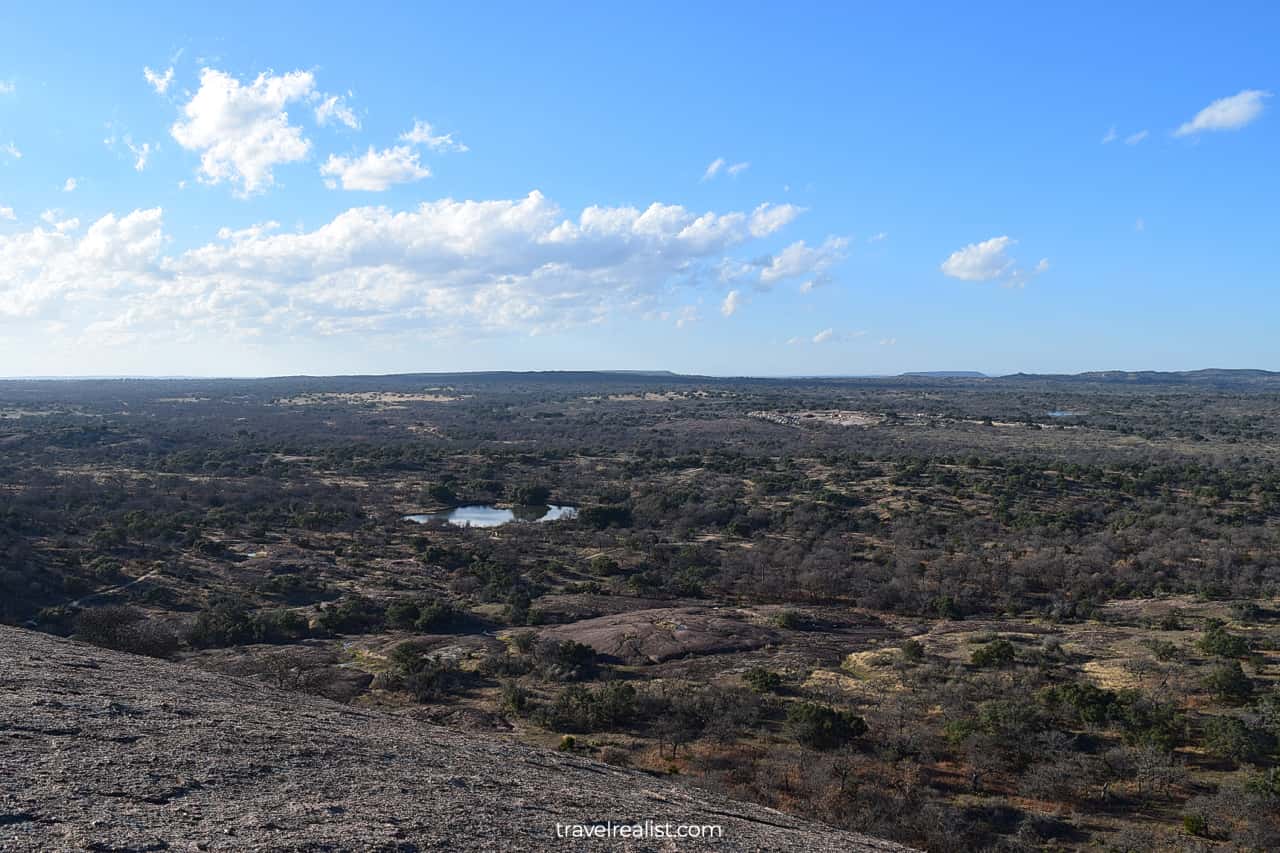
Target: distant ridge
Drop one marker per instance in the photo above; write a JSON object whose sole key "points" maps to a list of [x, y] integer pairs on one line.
{"points": [[1208, 377], [947, 374]]}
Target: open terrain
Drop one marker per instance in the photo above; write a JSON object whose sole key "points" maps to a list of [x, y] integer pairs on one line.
{"points": [[958, 612]]}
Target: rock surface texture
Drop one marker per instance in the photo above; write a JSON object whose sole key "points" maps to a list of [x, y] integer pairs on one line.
{"points": [[106, 751]]}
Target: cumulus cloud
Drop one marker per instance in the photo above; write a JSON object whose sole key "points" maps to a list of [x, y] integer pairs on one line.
{"points": [[333, 108], [824, 336], [242, 131], [980, 261], [767, 218], [69, 186], [375, 170], [7, 87], [157, 81], [12, 151], [732, 302], [468, 267], [7, 213], [990, 261], [422, 134], [1231, 113], [44, 266], [800, 259]]}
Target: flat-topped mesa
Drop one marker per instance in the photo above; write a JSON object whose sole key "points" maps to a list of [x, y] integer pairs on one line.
{"points": [[100, 747]]}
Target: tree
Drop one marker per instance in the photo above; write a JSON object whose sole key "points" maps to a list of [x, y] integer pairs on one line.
{"points": [[997, 653], [1229, 738], [530, 495], [820, 727], [1228, 683], [1216, 640]]}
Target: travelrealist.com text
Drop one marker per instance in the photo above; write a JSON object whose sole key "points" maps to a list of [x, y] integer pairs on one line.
{"points": [[644, 829]]}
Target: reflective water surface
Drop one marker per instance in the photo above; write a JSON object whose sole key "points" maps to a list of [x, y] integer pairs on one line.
{"points": [[482, 515]]}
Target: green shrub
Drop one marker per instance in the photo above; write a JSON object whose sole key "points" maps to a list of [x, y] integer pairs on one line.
{"points": [[581, 710], [762, 680], [565, 660], [1229, 738], [515, 699], [1228, 683], [126, 629], [820, 727], [353, 614], [602, 516], [997, 653], [790, 619], [532, 495], [1216, 640]]}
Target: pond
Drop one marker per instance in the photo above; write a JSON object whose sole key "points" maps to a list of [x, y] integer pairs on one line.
{"points": [[482, 515]]}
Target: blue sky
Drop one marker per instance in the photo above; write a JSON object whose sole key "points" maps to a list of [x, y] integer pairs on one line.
{"points": [[902, 187]]}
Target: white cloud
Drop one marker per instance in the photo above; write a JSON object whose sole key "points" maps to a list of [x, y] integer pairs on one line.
{"points": [[799, 259], [422, 134], [888, 342], [824, 336], [443, 267], [243, 132], [7, 213], [335, 108], [7, 87], [12, 151], [1135, 138], [1111, 136], [69, 186], [980, 261], [53, 217], [878, 237], [732, 302], [159, 82], [988, 261], [40, 267], [768, 218], [1230, 113], [141, 153], [718, 165], [376, 170]]}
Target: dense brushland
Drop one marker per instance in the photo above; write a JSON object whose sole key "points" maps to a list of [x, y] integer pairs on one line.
{"points": [[959, 612]]}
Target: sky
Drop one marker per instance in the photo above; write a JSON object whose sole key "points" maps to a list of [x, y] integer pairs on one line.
{"points": [[719, 188]]}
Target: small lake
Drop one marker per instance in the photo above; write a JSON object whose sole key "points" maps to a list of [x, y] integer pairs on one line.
{"points": [[480, 515]]}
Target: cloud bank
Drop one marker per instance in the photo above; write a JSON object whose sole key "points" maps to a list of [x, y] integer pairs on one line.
{"points": [[444, 267]]}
